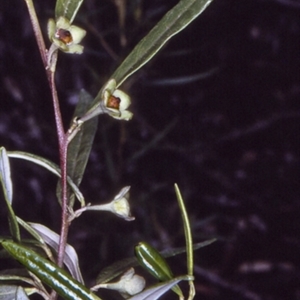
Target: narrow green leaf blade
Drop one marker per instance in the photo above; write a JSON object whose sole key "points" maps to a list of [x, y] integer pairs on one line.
{"points": [[176, 251], [67, 8], [12, 292], [42, 243], [5, 176], [173, 22], [112, 271], [49, 273], [52, 239], [188, 240], [6, 182], [80, 147], [187, 231], [16, 278], [50, 166], [158, 290]]}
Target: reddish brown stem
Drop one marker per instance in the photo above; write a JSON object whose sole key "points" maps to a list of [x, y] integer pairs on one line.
{"points": [[63, 150], [37, 31], [62, 136]]}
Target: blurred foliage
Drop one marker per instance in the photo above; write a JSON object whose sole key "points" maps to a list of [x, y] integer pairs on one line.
{"points": [[229, 138]]}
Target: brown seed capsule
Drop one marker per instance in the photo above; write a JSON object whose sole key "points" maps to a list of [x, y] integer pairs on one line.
{"points": [[64, 35]]}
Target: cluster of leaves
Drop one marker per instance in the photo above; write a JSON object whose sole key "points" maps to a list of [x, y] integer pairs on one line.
{"points": [[41, 266]]}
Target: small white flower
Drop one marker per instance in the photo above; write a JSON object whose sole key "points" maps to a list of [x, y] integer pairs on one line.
{"points": [[128, 285], [113, 102], [65, 36], [116, 102], [118, 206]]}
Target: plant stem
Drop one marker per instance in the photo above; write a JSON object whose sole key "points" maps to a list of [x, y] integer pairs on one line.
{"points": [[37, 31], [62, 136], [63, 150]]}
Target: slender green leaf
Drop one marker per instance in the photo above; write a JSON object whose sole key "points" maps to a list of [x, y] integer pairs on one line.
{"points": [[70, 257], [187, 231], [80, 147], [180, 250], [6, 182], [173, 22], [12, 292], [67, 8], [188, 240], [112, 271], [50, 166], [5, 175], [41, 241], [153, 262], [16, 278], [182, 80], [158, 290], [49, 273]]}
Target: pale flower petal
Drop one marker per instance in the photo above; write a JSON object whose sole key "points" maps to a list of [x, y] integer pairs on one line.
{"points": [[77, 33], [113, 102], [125, 115], [129, 284], [116, 101], [123, 192], [63, 23], [76, 49], [51, 27], [65, 36], [125, 99], [119, 206], [109, 88]]}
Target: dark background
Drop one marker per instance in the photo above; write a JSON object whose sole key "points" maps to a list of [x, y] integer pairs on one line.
{"points": [[217, 111]]}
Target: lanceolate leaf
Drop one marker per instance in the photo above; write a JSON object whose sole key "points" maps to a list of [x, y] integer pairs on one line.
{"points": [[152, 261], [173, 22], [80, 147], [16, 278], [158, 290], [112, 271], [67, 8], [57, 278], [109, 273], [188, 240], [5, 175], [12, 292], [5, 179], [41, 241], [49, 166], [52, 239], [187, 231]]}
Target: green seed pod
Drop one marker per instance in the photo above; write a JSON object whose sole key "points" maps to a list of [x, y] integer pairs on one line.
{"points": [[49, 273], [153, 262]]}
